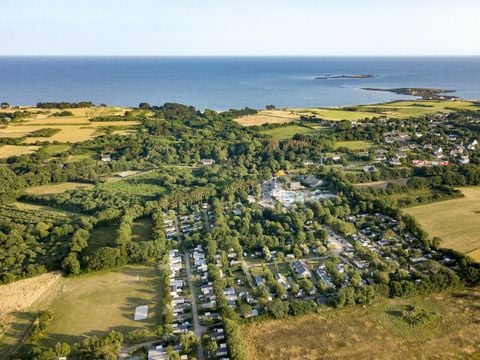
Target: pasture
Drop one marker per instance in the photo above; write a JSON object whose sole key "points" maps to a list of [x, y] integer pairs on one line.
{"points": [[146, 185], [287, 132], [58, 188], [100, 302], [355, 145], [378, 331], [90, 304], [456, 222]]}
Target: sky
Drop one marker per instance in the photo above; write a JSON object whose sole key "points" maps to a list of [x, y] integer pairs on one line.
{"points": [[240, 27]]}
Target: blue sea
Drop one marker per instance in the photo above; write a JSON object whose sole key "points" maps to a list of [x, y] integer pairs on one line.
{"points": [[229, 82]]}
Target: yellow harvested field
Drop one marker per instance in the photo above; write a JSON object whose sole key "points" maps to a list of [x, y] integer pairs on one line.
{"points": [[268, 117], [456, 222], [20, 295], [73, 129], [56, 188], [15, 150]]}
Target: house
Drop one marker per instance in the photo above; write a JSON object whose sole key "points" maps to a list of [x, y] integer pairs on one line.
{"points": [[207, 162], [106, 158], [464, 160], [473, 145], [259, 280], [395, 161], [295, 185], [369, 169], [312, 181], [301, 269]]}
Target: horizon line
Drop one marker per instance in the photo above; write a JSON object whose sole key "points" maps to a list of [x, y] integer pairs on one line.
{"points": [[246, 55]]}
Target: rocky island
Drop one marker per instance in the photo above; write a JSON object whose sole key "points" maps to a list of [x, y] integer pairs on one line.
{"points": [[356, 76]]}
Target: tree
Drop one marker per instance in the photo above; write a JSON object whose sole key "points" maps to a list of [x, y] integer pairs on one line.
{"points": [[278, 308], [71, 265], [144, 106]]}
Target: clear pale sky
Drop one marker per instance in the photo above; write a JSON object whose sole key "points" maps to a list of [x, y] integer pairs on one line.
{"points": [[239, 27]]}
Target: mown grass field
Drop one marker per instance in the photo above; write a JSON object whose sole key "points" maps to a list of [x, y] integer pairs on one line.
{"points": [[287, 132], [73, 129], [374, 332], [353, 145], [146, 185], [456, 222], [91, 304], [100, 302], [56, 188]]}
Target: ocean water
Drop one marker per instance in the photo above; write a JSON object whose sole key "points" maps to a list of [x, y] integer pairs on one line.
{"points": [[229, 82]]}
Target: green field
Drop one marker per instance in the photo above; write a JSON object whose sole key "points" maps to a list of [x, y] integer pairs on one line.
{"points": [[104, 301], [287, 132], [353, 145], [142, 229], [101, 235], [456, 222], [147, 185], [92, 304], [379, 331]]}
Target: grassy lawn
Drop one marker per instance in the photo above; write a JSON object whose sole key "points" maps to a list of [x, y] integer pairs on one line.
{"points": [[142, 229], [336, 114], [287, 132], [353, 145], [102, 235], [148, 185], [378, 331], [91, 304], [56, 188], [456, 222], [100, 302], [55, 149]]}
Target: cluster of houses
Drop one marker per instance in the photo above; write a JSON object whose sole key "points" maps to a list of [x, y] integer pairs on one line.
{"points": [[180, 304]]}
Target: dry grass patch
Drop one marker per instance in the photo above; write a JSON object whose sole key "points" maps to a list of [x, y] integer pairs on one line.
{"points": [[14, 150], [20, 295], [374, 332], [268, 117], [456, 222], [56, 188]]}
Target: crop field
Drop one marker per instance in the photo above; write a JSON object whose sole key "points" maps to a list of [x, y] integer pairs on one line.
{"points": [[287, 132], [15, 150], [72, 129], [56, 188], [353, 145], [456, 222], [397, 109], [379, 331], [268, 117]]}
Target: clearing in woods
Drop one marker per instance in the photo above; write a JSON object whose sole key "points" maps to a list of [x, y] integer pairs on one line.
{"points": [[56, 188], [451, 329], [90, 304], [456, 222]]}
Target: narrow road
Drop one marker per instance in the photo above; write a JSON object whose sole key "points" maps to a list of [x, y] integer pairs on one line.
{"points": [[128, 350], [199, 330]]}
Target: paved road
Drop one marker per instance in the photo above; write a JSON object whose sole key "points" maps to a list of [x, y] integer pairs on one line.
{"points": [[198, 329]]}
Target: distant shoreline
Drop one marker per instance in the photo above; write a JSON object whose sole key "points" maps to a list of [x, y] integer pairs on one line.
{"points": [[424, 93]]}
